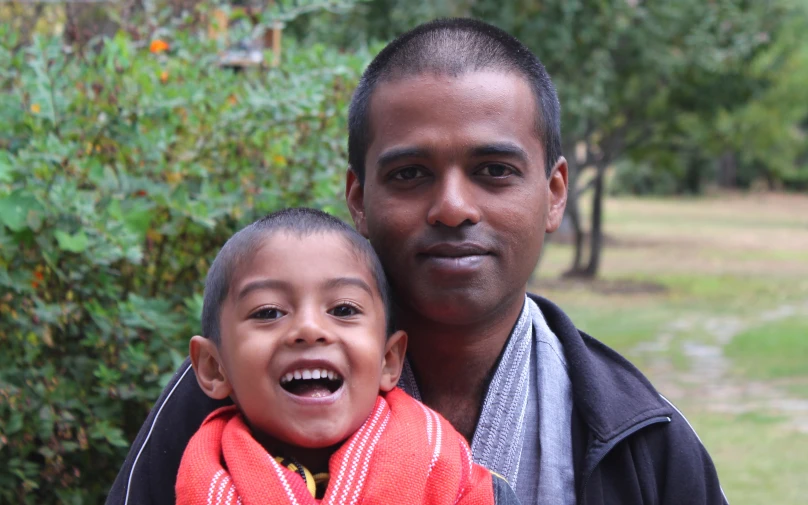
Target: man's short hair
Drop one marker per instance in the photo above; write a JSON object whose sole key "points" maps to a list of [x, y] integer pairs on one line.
{"points": [[453, 47], [301, 222]]}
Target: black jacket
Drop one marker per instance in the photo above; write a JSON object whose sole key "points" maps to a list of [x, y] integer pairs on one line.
{"points": [[631, 446]]}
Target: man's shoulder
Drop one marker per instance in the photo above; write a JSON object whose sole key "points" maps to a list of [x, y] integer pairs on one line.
{"points": [[609, 393], [621, 409], [171, 423]]}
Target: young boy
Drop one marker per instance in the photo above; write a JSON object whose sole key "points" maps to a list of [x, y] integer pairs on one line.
{"points": [[298, 332]]}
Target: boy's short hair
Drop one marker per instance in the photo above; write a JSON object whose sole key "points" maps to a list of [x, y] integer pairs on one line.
{"points": [[299, 221], [454, 47]]}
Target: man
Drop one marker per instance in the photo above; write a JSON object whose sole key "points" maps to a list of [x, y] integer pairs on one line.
{"points": [[456, 175]]}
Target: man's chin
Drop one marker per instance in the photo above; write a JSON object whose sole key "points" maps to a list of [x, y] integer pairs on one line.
{"points": [[455, 308]]}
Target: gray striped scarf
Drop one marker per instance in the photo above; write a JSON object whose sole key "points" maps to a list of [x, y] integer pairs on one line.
{"points": [[525, 432]]}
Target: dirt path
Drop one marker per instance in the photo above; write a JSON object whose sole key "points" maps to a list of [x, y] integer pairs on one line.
{"points": [[708, 377]]}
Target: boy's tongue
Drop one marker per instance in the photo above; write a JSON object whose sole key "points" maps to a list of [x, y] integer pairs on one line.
{"points": [[309, 388]]}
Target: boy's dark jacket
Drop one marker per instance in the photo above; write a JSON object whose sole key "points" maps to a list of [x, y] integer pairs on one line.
{"points": [[631, 446]]}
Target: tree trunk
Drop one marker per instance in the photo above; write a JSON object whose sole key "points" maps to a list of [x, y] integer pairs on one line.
{"points": [[596, 236], [728, 170], [574, 212]]}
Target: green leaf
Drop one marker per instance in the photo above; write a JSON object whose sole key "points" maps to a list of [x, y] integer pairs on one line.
{"points": [[14, 210], [14, 423], [76, 243], [6, 167]]}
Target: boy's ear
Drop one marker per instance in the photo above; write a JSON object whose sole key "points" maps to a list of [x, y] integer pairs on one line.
{"points": [[394, 351], [208, 368]]}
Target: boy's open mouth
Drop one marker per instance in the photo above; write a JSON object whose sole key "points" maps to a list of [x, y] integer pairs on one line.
{"points": [[312, 383]]}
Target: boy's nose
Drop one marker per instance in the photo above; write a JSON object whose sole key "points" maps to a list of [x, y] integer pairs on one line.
{"points": [[308, 329]]}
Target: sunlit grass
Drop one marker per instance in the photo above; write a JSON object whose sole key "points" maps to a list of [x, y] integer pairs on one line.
{"points": [[772, 351], [758, 461]]}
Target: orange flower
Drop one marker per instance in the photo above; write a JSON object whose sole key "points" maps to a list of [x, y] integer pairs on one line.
{"points": [[35, 108], [164, 77], [39, 275], [158, 46]]}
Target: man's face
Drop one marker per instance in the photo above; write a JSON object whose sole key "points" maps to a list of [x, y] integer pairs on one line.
{"points": [[456, 201]]}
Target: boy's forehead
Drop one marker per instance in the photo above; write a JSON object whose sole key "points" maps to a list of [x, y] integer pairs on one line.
{"points": [[297, 259]]}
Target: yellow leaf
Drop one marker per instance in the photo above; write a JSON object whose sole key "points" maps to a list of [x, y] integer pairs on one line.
{"points": [[47, 336], [153, 235]]}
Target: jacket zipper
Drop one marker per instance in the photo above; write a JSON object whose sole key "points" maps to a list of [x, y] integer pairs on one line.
{"points": [[608, 447]]}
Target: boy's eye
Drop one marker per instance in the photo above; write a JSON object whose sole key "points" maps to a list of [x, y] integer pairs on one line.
{"points": [[344, 310], [267, 313]]}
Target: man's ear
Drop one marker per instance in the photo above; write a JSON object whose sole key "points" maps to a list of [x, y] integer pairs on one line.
{"points": [[557, 195], [208, 368], [394, 351], [355, 198]]}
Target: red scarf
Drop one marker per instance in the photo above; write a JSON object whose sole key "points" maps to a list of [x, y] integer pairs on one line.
{"points": [[404, 453]]}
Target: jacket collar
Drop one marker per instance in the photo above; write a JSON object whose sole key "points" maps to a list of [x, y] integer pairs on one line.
{"points": [[609, 393]]}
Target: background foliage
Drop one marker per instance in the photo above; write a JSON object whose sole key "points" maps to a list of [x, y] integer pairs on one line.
{"points": [[121, 174], [122, 170]]}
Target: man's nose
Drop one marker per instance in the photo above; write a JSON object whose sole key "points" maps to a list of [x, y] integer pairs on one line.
{"points": [[454, 203], [309, 329]]}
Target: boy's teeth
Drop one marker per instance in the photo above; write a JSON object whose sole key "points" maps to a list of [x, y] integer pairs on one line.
{"points": [[306, 374]]}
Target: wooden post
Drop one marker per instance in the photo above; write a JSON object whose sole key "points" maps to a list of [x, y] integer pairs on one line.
{"points": [[218, 25], [277, 29]]}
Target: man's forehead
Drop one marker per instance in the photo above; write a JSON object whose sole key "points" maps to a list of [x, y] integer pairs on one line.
{"points": [[483, 111], [449, 85]]}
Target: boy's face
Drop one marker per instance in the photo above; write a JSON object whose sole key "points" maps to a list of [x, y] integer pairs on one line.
{"points": [[302, 308]]}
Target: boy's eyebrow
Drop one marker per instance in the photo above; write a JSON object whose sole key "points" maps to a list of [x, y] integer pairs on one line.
{"points": [[262, 284], [347, 281]]}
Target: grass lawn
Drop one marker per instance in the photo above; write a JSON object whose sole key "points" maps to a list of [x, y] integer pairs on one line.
{"points": [[758, 351], [709, 297]]}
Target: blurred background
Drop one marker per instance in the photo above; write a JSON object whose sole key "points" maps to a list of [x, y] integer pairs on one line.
{"points": [[137, 135]]}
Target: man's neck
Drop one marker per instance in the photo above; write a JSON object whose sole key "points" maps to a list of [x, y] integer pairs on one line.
{"points": [[454, 363]]}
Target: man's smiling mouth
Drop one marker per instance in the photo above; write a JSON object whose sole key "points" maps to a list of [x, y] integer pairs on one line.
{"points": [[319, 382], [454, 250]]}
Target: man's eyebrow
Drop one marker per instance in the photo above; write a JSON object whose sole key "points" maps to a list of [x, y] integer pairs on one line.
{"points": [[396, 153], [338, 282], [501, 149], [262, 284]]}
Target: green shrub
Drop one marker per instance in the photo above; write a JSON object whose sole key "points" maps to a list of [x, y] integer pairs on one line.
{"points": [[121, 174]]}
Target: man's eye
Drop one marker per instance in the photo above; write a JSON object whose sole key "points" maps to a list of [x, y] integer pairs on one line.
{"points": [[408, 174], [268, 313], [344, 310], [496, 170]]}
